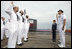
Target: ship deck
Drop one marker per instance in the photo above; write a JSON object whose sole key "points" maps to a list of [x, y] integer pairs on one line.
{"points": [[40, 40]]}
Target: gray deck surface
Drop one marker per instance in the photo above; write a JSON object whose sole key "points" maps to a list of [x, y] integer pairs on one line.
{"points": [[40, 40]]}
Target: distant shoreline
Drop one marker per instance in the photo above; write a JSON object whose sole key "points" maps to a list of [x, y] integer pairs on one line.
{"points": [[49, 30]]}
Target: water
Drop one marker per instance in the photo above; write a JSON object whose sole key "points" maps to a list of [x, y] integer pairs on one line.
{"points": [[46, 26]]}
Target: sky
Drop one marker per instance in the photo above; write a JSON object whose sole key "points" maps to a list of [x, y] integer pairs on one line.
{"points": [[43, 11]]}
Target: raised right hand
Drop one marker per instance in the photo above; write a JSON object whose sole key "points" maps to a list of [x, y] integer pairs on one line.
{"points": [[12, 2]]}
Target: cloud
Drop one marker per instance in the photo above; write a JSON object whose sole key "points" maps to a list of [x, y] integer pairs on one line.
{"points": [[43, 11]]}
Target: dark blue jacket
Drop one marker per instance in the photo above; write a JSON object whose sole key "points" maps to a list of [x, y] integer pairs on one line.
{"points": [[54, 26]]}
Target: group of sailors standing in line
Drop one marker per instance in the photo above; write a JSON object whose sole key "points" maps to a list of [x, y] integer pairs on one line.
{"points": [[16, 28]]}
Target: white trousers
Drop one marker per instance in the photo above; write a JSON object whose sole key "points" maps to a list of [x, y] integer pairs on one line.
{"points": [[7, 29], [7, 33], [12, 35], [12, 40], [2, 33], [62, 34], [20, 33], [26, 29]]}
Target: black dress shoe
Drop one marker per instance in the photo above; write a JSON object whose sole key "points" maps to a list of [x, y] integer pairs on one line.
{"points": [[2, 39], [26, 38], [54, 40], [20, 44]]}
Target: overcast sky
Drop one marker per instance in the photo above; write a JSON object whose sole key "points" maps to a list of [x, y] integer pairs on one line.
{"points": [[43, 11]]}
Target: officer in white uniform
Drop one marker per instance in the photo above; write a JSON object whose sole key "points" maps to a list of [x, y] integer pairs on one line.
{"points": [[2, 27], [26, 28], [61, 19], [12, 10], [20, 29]]}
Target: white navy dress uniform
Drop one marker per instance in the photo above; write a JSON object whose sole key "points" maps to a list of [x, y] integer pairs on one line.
{"points": [[20, 29], [2, 29], [12, 27], [61, 32], [26, 28]]}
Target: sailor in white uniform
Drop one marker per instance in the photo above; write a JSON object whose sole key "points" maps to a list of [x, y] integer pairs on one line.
{"points": [[26, 28], [61, 20], [20, 29], [2, 27], [12, 10]]}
